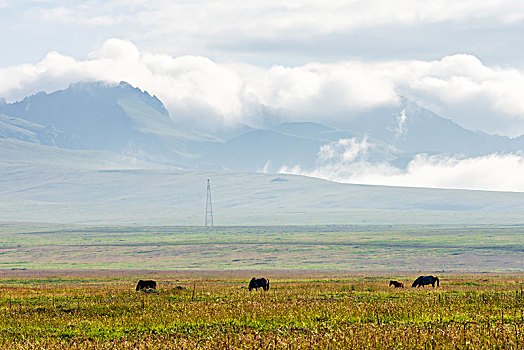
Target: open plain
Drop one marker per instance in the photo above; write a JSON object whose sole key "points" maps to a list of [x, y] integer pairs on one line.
{"points": [[368, 248], [73, 286], [100, 309]]}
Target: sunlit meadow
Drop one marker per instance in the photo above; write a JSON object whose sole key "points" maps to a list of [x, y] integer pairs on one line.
{"points": [[302, 310]]}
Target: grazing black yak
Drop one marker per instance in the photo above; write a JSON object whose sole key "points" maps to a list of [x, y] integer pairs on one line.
{"points": [[397, 284], [145, 284], [259, 282], [425, 280]]}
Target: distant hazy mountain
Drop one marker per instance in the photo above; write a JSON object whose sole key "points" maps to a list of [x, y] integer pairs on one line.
{"points": [[314, 131], [130, 122], [97, 116], [289, 144], [414, 129], [396, 135], [23, 130], [257, 149]]}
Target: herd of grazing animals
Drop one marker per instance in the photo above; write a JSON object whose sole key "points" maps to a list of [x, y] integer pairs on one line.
{"points": [[255, 283], [420, 281]]}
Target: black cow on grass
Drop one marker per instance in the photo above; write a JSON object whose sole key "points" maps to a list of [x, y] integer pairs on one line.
{"points": [[257, 283], [145, 285]]}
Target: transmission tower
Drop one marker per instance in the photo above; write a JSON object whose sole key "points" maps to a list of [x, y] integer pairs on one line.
{"points": [[209, 207]]}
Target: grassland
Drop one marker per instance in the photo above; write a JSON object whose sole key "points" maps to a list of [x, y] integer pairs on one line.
{"points": [[424, 248], [72, 286], [214, 310]]}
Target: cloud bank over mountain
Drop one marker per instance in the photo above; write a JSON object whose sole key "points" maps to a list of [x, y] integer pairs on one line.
{"points": [[347, 161], [406, 146], [198, 89], [203, 93]]}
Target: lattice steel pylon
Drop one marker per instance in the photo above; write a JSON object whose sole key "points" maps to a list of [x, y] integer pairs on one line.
{"points": [[209, 207]]}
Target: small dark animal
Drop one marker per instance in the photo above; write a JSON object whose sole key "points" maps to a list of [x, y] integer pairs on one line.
{"points": [[425, 280], [397, 284], [258, 282], [145, 284]]}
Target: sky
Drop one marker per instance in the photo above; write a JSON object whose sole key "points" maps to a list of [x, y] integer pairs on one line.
{"points": [[271, 32], [461, 59], [312, 60]]}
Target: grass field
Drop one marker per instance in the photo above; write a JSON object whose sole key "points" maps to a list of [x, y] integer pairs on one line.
{"points": [[214, 310], [424, 248], [72, 286]]}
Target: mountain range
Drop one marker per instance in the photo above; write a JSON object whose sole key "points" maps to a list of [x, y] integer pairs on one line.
{"points": [[130, 122], [116, 148]]}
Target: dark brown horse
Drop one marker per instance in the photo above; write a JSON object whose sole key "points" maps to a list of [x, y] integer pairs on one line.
{"points": [[425, 280], [397, 284], [145, 285], [258, 282]]}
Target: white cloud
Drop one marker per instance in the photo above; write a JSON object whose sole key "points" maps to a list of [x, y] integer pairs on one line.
{"points": [[270, 19], [225, 27], [282, 32], [192, 86], [344, 151], [346, 161], [116, 50]]}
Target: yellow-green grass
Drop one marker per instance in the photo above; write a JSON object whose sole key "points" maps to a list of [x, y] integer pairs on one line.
{"points": [[303, 309]]}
